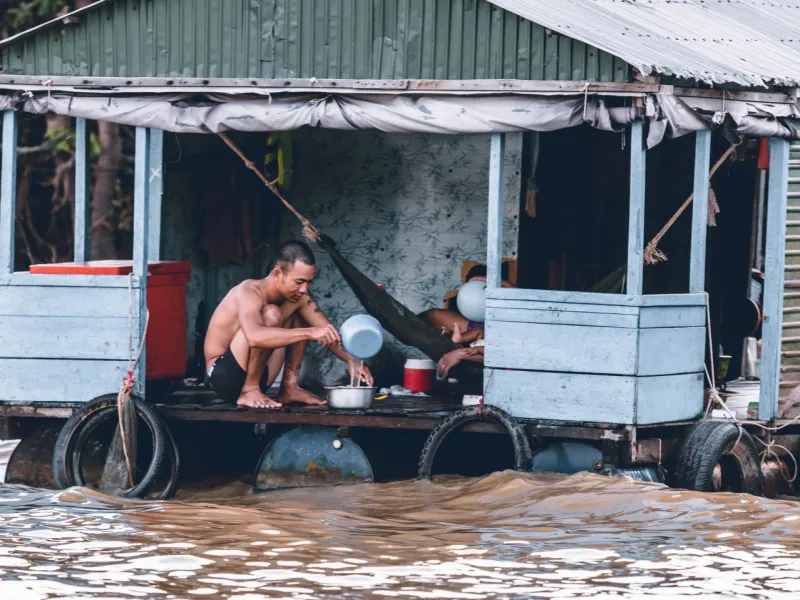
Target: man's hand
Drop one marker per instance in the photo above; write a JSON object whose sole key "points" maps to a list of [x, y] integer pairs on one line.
{"points": [[359, 370], [327, 334]]}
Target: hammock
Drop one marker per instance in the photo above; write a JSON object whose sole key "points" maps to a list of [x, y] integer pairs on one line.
{"points": [[396, 318], [393, 316]]}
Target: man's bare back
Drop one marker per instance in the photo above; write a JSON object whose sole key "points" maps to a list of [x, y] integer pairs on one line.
{"points": [[224, 323], [264, 324]]}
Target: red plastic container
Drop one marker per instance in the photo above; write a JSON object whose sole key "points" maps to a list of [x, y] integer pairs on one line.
{"points": [[166, 301], [419, 375]]}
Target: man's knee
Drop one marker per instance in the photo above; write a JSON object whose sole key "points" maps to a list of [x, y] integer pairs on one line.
{"points": [[271, 315]]}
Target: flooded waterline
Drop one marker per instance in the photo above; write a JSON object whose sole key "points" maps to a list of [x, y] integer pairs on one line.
{"points": [[506, 535]]}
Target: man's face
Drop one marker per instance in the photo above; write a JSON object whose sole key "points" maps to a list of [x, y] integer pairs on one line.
{"points": [[294, 283]]}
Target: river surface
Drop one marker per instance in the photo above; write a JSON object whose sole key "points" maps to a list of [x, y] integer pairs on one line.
{"points": [[505, 535]]}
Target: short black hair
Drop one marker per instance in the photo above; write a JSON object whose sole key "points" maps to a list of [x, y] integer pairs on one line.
{"points": [[480, 271], [291, 252]]}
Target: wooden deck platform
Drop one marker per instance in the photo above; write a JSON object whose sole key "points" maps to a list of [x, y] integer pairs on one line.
{"points": [[396, 412], [410, 413]]}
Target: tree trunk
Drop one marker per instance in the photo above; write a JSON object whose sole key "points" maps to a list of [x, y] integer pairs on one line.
{"points": [[102, 244]]}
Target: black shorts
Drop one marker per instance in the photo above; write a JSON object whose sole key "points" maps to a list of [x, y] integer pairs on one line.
{"points": [[227, 377]]}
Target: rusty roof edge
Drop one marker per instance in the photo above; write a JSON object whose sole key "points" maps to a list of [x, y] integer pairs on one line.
{"points": [[283, 85], [62, 20]]}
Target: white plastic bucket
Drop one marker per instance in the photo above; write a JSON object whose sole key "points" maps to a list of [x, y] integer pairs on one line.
{"points": [[362, 336]]}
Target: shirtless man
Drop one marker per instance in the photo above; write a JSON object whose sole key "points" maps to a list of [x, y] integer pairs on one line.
{"points": [[263, 324]]}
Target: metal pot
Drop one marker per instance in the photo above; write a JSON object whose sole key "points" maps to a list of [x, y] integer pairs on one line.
{"points": [[353, 398]]}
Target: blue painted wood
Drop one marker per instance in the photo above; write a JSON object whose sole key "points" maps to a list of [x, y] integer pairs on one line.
{"points": [[664, 351], [645, 317], [52, 301], [100, 338], [141, 218], [669, 398], [611, 309], [90, 281], [672, 316], [60, 380], [561, 317], [697, 255], [587, 398], [141, 193], [561, 348], [81, 225], [591, 349], [494, 235], [8, 191], [562, 396], [156, 183], [774, 261], [592, 298], [636, 211]]}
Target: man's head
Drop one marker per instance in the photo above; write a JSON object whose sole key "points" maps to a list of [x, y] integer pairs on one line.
{"points": [[478, 273], [294, 270]]}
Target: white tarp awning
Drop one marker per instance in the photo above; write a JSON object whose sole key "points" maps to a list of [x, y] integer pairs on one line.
{"points": [[669, 115]]}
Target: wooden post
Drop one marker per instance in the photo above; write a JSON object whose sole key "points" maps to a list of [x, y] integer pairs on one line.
{"points": [[81, 226], [636, 212], [141, 218], [774, 262], [697, 256], [156, 183], [8, 192], [494, 233]]}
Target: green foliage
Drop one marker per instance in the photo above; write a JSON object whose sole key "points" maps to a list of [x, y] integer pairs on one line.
{"points": [[94, 145], [27, 14], [58, 140]]}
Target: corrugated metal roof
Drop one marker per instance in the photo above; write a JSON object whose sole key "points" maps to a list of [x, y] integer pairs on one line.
{"points": [[325, 39], [715, 41]]}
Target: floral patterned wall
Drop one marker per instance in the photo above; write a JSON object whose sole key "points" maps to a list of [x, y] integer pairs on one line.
{"points": [[405, 209]]}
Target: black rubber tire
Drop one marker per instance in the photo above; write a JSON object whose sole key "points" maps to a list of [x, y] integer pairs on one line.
{"points": [[65, 445], [710, 443], [522, 449], [172, 456]]}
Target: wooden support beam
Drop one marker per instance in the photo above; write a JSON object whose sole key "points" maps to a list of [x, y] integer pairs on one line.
{"points": [[494, 233], [156, 183], [8, 192], [697, 256], [636, 211], [81, 226], [774, 262], [141, 218]]}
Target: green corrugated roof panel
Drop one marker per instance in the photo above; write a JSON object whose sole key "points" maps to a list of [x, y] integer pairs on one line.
{"points": [[336, 39]]}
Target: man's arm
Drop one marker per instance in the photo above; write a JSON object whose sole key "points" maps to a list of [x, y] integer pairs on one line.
{"points": [[313, 315], [261, 335]]}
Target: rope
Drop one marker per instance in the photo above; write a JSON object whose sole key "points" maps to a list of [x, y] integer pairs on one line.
{"points": [[585, 99], [768, 451], [129, 382], [483, 396], [714, 397], [652, 254], [309, 231]]}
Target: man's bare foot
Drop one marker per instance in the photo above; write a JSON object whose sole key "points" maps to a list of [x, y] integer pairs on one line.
{"points": [[256, 399], [294, 393]]}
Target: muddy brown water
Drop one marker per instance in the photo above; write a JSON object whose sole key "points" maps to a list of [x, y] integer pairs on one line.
{"points": [[505, 535]]}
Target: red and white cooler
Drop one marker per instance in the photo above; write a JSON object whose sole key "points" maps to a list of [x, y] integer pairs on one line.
{"points": [[420, 375]]}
